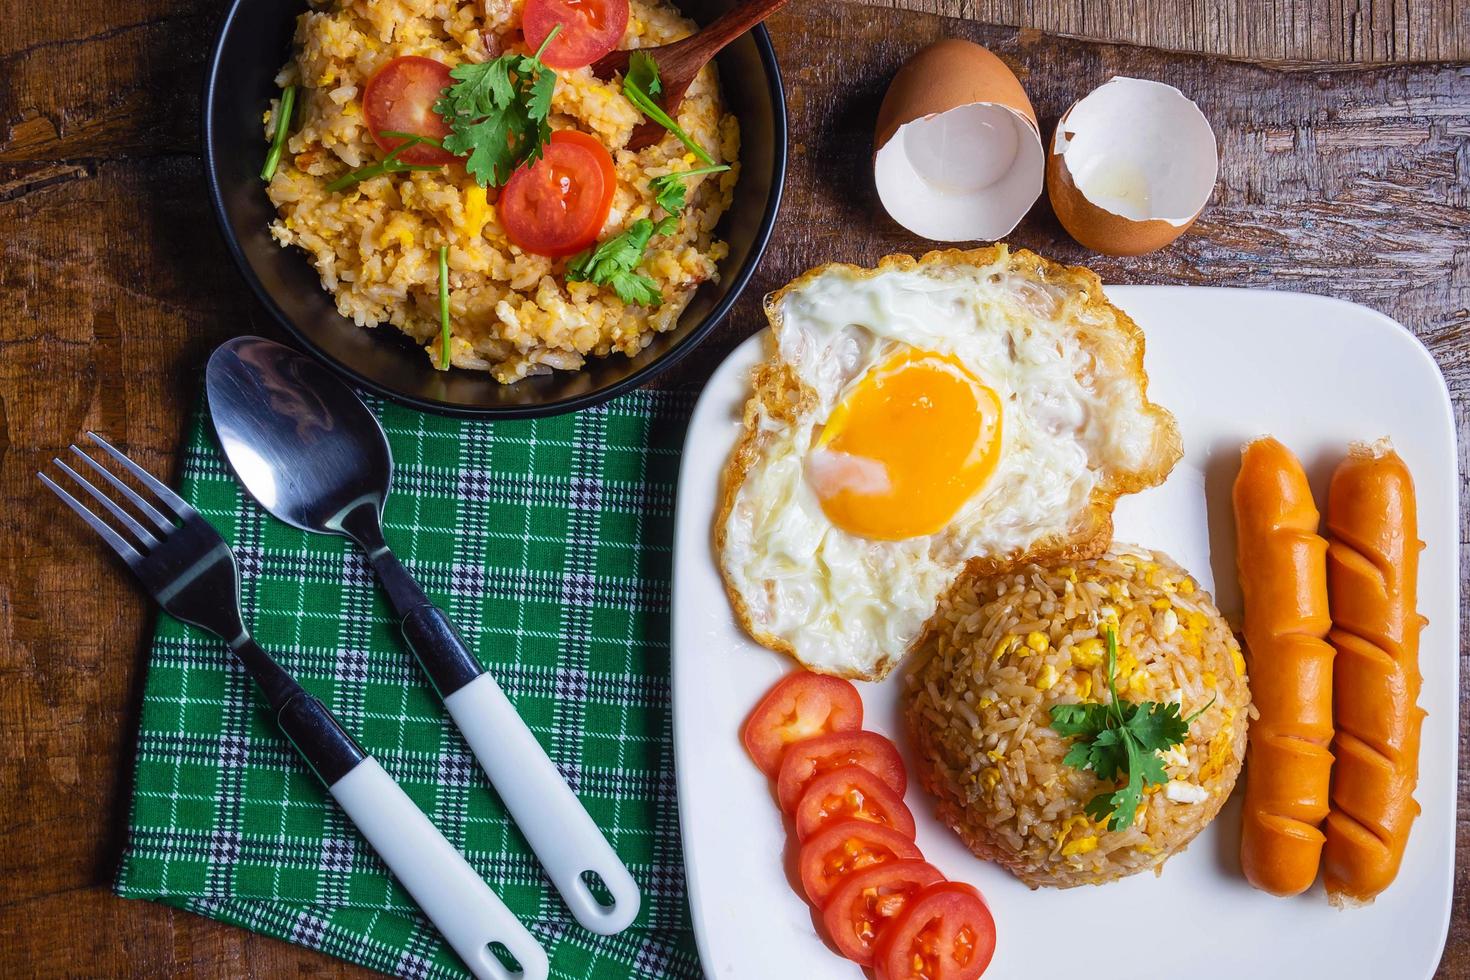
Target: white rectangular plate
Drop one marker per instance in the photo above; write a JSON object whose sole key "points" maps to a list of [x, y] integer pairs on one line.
{"points": [[1231, 364]]}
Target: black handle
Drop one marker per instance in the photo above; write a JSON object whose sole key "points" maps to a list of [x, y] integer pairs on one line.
{"points": [[319, 737], [440, 650]]}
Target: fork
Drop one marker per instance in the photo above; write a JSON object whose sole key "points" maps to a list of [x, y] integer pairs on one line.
{"points": [[189, 570]]}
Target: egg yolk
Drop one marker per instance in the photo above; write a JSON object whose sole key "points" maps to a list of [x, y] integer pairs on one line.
{"points": [[906, 448]]}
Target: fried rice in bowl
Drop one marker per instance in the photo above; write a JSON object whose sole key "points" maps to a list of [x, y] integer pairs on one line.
{"points": [[1001, 651]]}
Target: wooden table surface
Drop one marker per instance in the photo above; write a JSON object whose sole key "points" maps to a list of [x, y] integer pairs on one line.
{"points": [[1337, 178]]}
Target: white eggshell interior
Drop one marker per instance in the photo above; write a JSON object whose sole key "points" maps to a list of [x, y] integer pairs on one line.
{"points": [[1141, 150], [968, 174]]}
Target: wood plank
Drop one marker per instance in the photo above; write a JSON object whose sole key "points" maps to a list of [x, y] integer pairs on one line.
{"points": [[114, 286], [1322, 31]]}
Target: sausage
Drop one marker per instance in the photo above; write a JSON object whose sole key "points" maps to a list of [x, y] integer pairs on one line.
{"points": [[1372, 580], [1282, 566]]}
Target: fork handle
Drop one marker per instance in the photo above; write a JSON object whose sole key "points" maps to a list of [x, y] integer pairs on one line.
{"points": [[451, 893]]}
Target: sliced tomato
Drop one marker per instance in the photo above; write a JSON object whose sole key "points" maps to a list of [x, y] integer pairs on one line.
{"points": [[945, 932], [865, 902], [800, 706], [850, 793], [589, 29], [400, 98], [557, 205], [809, 758], [845, 847]]}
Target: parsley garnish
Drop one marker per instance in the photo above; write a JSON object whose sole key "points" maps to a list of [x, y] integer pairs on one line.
{"points": [[496, 112], [670, 191], [444, 307], [1120, 739], [390, 164], [613, 262], [640, 85], [278, 136]]}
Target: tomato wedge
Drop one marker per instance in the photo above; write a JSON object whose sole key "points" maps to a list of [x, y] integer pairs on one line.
{"points": [[558, 205], [850, 793], [945, 932], [865, 902], [400, 98], [809, 758], [589, 29], [846, 847], [801, 705]]}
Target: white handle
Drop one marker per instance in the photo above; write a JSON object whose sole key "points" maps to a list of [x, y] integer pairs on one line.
{"points": [[451, 893], [544, 807]]}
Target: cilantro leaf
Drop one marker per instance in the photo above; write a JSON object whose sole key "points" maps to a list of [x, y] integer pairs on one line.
{"points": [[1149, 767], [497, 113], [670, 190], [643, 73], [1109, 754], [1079, 755], [1120, 740], [543, 85], [640, 85], [1156, 726], [668, 194], [1100, 807], [614, 262], [1079, 719]]}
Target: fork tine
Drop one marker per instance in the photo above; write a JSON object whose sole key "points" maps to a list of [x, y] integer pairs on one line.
{"points": [[151, 512], [170, 499], [124, 550], [139, 531]]}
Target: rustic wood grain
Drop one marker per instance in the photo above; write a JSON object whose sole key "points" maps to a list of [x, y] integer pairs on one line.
{"points": [[1341, 31], [114, 286]]}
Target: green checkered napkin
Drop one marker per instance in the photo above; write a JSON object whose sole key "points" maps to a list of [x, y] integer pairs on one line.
{"points": [[548, 543]]}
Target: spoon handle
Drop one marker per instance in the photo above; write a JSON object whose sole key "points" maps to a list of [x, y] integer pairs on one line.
{"points": [[556, 825], [730, 25], [548, 813]]}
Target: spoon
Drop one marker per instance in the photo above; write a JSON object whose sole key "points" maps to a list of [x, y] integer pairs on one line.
{"points": [[309, 451], [680, 61]]}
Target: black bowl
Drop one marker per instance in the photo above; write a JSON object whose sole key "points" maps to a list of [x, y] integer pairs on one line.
{"points": [[239, 83]]}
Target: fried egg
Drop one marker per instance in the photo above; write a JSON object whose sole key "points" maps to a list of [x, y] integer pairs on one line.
{"points": [[985, 406]]}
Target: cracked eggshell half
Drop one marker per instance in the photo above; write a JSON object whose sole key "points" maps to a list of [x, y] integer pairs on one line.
{"points": [[957, 156], [1131, 166]]}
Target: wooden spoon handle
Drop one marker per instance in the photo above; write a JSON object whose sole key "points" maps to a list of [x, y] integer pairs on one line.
{"points": [[687, 56], [726, 28]]}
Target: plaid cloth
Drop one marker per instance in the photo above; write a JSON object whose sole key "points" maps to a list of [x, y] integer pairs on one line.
{"points": [[548, 543]]}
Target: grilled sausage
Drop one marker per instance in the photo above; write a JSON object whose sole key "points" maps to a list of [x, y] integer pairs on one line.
{"points": [[1372, 580], [1282, 570]]}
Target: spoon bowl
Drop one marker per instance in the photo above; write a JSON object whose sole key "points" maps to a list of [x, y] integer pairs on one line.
{"points": [[303, 444]]}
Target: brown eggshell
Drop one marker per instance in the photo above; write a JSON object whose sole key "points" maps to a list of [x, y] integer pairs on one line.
{"points": [[1145, 120], [945, 75], [1099, 229]]}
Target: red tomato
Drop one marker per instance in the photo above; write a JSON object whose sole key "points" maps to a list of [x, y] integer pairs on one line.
{"points": [[807, 759], [400, 98], [945, 932], [589, 29], [846, 847], [850, 792], [557, 205], [866, 901], [799, 706]]}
